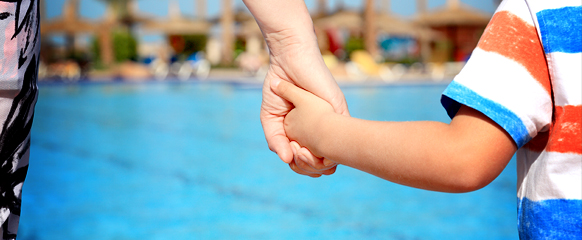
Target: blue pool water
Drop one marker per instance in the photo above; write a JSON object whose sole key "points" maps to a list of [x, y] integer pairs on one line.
{"points": [[189, 161]]}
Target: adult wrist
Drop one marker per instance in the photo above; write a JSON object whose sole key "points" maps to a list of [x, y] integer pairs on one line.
{"points": [[291, 41], [281, 19]]}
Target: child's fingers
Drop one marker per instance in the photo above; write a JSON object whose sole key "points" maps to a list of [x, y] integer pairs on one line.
{"points": [[301, 166], [309, 169], [328, 162], [308, 162], [330, 171], [296, 169], [314, 162], [300, 163]]}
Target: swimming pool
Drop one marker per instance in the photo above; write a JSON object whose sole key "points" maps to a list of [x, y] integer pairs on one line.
{"points": [[189, 161]]}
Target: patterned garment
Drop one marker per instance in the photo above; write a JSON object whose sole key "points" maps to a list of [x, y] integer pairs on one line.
{"points": [[526, 75], [20, 42]]}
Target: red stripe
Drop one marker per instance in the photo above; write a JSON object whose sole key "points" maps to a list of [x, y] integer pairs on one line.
{"points": [[513, 38], [565, 135]]}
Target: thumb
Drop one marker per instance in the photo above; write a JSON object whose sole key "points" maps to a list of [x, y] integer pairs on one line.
{"points": [[288, 91]]}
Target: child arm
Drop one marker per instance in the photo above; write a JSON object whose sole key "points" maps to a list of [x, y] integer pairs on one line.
{"points": [[462, 156]]}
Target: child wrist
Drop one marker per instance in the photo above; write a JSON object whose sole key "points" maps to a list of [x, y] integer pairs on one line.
{"points": [[321, 132]]}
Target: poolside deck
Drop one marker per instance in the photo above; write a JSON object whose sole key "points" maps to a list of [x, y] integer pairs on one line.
{"points": [[137, 73]]}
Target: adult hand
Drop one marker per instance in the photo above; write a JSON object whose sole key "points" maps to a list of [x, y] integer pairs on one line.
{"points": [[304, 67], [294, 56]]}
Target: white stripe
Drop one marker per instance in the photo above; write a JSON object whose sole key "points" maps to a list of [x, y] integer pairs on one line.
{"points": [[538, 5], [508, 83], [549, 175], [566, 71]]}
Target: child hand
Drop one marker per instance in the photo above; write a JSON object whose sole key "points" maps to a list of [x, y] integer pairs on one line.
{"points": [[274, 108], [303, 121], [305, 163]]}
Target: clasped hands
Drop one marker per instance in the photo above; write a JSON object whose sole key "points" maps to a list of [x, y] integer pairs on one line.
{"points": [[299, 89], [294, 58]]}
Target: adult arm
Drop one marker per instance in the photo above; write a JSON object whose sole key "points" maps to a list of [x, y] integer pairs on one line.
{"points": [[462, 156], [294, 57]]}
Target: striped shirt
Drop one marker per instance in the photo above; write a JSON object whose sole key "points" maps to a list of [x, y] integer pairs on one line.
{"points": [[526, 75]]}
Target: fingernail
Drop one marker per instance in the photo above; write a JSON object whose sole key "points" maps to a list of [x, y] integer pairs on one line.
{"points": [[327, 162], [275, 82]]}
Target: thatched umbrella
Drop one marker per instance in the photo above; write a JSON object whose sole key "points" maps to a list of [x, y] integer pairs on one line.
{"points": [[393, 25], [122, 14], [341, 19], [70, 23], [385, 23], [65, 26], [453, 14], [390, 24], [460, 24], [176, 24], [321, 9]]}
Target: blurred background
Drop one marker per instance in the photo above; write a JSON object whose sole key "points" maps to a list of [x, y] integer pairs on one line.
{"points": [[147, 124], [140, 39]]}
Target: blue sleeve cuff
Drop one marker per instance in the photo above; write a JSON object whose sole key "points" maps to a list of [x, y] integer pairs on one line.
{"points": [[457, 95]]}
